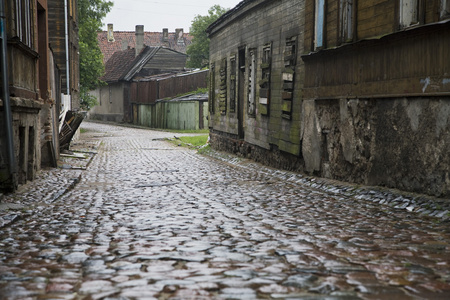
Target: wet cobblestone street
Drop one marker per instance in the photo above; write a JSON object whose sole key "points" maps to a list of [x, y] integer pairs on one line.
{"points": [[149, 220]]}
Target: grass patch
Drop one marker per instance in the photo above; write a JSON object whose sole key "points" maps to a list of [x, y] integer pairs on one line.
{"points": [[186, 131], [191, 141]]}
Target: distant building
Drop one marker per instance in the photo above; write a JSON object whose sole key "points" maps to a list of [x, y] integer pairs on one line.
{"points": [[111, 41], [124, 66], [351, 90]]}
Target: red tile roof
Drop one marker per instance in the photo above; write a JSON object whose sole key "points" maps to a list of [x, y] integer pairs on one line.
{"points": [[128, 38], [119, 62]]}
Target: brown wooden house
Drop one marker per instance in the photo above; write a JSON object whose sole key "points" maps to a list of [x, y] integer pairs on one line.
{"points": [[351, 90], [378, 87], [35, 52]]}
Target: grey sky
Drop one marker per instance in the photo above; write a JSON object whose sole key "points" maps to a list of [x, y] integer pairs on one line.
{"points": [[158, 14]]}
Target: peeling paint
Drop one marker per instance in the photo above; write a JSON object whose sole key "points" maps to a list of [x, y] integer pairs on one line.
{"points": [[426, 82]]}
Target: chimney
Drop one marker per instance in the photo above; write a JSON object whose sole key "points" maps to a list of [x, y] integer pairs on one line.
{"points": [[139, 39], [124, 44], [165, 34], [179, 36], [110, 33]]}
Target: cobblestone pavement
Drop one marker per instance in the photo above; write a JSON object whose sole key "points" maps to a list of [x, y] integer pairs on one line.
{"points": [[149, 220]]}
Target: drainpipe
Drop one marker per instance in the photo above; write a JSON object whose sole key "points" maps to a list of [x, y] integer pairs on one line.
{"points": [[66, 27], [5, 97]]}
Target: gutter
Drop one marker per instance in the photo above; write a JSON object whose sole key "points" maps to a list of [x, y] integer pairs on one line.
{"points": [[6, 100], [66, 28]]}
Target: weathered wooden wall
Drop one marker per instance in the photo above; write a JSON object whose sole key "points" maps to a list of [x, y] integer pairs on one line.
{"points": [[149, 90], [261, 39], [167, 60], [367, 101], [179, 115], [401, 64]]}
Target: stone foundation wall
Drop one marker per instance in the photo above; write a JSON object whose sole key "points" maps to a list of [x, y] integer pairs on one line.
{"points": [[27, 147], [273, 157], [399, 143]]}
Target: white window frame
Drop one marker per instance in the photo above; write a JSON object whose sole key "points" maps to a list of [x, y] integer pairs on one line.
{"points": [[346, 22], [445, 9], [409, 13]]}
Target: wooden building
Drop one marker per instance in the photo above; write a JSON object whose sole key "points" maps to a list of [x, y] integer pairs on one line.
{"points": [[350, 90], [378, 89], [256, 79], [114, 102], [36, 59]]}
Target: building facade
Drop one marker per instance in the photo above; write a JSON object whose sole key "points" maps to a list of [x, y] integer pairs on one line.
{"points": [[352, 90], [256, 80], [33, 89]]}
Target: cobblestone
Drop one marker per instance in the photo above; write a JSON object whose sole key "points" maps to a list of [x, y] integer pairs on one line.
{"points": [[139, 218]]}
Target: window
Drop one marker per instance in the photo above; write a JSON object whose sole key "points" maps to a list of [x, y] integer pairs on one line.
{"points": [[319, 24], [223, 87], [445, 9], [24, 28], [409, 13], [264, 84], [346, 22], [252, 82], [233, 83]]}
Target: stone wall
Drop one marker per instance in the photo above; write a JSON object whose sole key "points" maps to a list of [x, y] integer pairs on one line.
{"points": [[401, 143], [27, 146], [110, 103]]}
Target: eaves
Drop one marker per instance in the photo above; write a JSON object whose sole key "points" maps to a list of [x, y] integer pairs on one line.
{"points": [[238, 12]]}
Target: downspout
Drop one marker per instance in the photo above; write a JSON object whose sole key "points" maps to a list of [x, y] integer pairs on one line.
{"points": [[5, 97], [66, 27]]}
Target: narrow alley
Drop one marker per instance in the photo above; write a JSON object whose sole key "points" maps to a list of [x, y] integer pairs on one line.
{"points": [[146, 219]]}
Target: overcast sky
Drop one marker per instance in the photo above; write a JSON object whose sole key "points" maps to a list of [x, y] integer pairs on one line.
{"points": [[159, 14]]}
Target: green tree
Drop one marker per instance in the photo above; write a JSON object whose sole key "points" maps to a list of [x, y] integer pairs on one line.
{"points": [[198, 51], [90, 13]]}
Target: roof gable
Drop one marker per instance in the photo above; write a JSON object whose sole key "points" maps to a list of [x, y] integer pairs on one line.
{"points": [[117, 64], [123, 65]]}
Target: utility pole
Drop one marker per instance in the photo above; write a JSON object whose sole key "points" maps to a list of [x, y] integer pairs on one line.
{"points": [[12, 184]]}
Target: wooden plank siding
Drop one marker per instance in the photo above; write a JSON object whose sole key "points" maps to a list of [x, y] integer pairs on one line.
{"points": [[382, 59], [166, 59], [392, 66], [149, 90]]}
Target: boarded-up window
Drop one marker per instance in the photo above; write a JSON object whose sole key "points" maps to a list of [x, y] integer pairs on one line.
{"points": [[346, 22], [264, 84], [409, 13], [288, 76], [212, 87], [233, 83], [223, 87], [319, 24], [252, 82], [445, 9]]}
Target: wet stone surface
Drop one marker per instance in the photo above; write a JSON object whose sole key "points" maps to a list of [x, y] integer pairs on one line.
{"points": [[147, 220]]}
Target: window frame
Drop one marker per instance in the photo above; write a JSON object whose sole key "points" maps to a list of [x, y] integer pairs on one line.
{"points": [[414, 7], [444, 9], [319, 24]]}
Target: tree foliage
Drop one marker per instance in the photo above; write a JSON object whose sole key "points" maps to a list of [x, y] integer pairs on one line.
{"points": [[91, 14], [198, 51]]}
